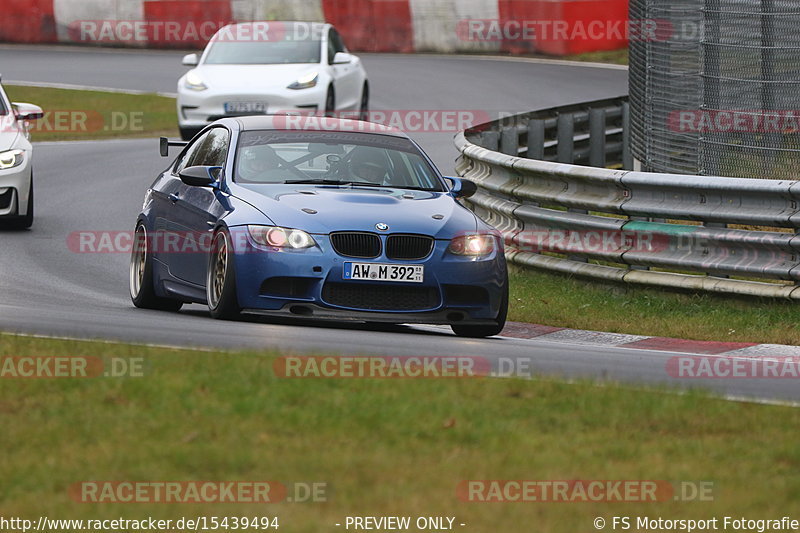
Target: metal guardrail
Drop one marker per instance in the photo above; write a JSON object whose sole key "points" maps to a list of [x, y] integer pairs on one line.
{"points": [[725, 235]]}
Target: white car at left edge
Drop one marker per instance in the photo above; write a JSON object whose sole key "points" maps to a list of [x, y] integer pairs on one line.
{"points": [[16, 174], [271, 68]]}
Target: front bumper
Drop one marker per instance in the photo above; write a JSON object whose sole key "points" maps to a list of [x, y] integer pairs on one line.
{"points": [[310, 283], [15, 186], [197, 109]]}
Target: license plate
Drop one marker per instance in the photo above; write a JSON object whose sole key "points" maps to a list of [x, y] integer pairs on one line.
{"points": [[384, 272], [245, 107]]}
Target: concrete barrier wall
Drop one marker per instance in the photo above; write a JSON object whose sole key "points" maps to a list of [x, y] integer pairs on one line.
{"points": [[556, 27]]}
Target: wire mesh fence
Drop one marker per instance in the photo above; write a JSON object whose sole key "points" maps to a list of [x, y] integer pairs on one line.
{"points": [[715, 87]]}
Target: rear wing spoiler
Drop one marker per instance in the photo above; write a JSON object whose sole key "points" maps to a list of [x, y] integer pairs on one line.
{"points": [[164, 145]]}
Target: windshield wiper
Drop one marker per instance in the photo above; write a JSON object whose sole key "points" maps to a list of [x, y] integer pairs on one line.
{"points": [[332, 182]]}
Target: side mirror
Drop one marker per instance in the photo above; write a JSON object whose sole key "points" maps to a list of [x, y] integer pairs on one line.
{"points": [[462, 188], [191, 60], [28, 111], [200, 176], [343, 58]]}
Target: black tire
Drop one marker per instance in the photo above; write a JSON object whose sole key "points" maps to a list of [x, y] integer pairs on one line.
{"points": [[25, 221], [141, 285], [330, 102], [363, 113], [223, 304], [477, 332]]}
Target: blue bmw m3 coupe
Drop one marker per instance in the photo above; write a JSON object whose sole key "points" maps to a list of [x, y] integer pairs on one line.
{"points": [[318, 218]]}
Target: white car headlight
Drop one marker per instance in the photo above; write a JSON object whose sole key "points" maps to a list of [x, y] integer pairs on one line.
{"points": [[477, 244], [11, 159], [305, 82], [194, 82], [281, 237]]}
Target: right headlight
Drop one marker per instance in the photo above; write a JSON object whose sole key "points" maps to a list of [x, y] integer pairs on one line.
{"points": [[194, 82], [278, 237], [11, 159]]}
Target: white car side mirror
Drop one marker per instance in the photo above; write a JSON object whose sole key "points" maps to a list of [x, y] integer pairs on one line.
{"points": [[343, 58], [28, 111], [191, 60]]}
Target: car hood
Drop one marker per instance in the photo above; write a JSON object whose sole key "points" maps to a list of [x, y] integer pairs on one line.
{"points": [[9, 131], [323, 209], [253, 77]]}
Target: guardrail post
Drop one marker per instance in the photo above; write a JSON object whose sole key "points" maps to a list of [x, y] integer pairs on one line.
{"points": [[566, 138], [597, 138], [490, 140], [535, 139], [509, 141], [627, 156]]}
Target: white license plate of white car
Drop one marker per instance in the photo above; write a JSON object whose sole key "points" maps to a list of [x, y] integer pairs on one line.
{"points": [[384, 272], [245, 107]]}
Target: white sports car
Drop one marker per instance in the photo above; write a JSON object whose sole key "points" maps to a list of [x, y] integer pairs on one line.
{"points": [[264, 68], [16, 175]]}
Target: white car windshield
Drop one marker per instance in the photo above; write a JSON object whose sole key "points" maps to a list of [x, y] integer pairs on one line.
{"points": [[333, 158], [264, 52]]}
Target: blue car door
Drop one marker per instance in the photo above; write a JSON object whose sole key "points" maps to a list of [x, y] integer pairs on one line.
{"points": [[195, 211]]}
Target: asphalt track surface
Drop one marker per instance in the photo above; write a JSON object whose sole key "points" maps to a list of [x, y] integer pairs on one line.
{"points": [[49, 290]]}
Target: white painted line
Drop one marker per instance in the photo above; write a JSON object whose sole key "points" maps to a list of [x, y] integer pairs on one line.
{"points": [[512, 59], [47, 85], [120, 343]]}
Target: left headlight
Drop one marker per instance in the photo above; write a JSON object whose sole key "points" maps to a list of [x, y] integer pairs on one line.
{"points": [[306, 82], [11, 159], [477, 244], [277, 237]]}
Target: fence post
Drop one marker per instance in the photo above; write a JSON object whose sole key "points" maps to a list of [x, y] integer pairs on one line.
{"points": [[490, 140], [627, 156], [597, 138], [535, 139], [509, 141], [566, 138]]}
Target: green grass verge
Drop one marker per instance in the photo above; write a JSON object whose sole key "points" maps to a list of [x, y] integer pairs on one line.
{"points": [[616, 57], [562, 301], [75, 115], [383, 446]]}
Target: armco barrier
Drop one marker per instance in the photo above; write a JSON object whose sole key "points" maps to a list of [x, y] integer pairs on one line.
{"points": [[555, 27], [727, 235]]}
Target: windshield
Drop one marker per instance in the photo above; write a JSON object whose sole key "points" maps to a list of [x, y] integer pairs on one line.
{"points": [[333, 158], [264, 52]]}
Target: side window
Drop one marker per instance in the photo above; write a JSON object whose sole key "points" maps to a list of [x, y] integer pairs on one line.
{"points": [[188, 154], [212, 150], [338, 42], [331, 47]]}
